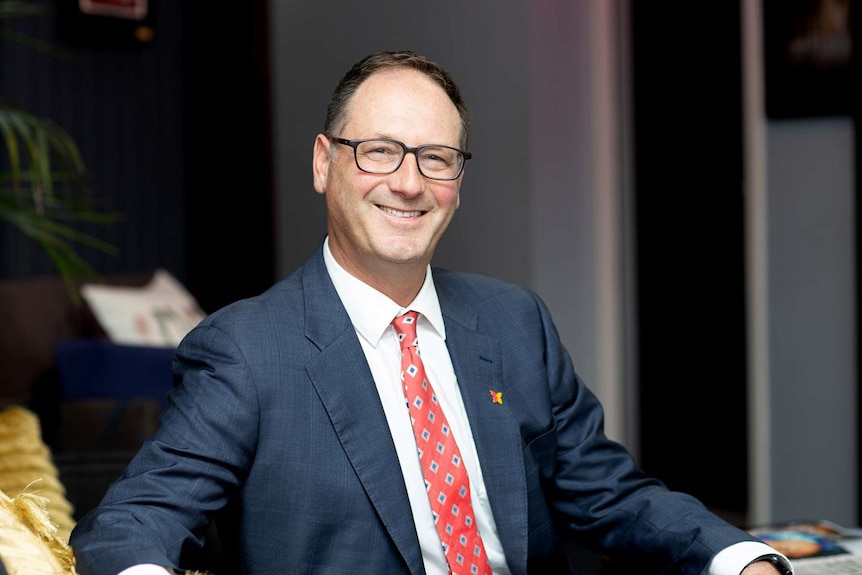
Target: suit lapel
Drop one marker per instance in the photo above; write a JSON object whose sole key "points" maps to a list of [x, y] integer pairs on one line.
{"points": [[343, 381], [477, 362]]}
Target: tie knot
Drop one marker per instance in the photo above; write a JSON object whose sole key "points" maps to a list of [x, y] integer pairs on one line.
{"points": [[405, 327]]}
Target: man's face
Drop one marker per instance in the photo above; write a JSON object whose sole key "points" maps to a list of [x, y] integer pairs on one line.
{"points": [[376, 220]]}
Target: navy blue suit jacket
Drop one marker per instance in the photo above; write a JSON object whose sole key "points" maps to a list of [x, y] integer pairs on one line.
{"points": [[275, 422]]}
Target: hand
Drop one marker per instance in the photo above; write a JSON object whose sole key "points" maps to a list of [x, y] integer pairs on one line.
{"points": [[761, 568]]}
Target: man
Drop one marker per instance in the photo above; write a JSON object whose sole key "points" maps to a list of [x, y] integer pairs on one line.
{"points": [[288, 418]]}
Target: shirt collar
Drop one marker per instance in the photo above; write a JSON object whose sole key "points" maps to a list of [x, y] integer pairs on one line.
{"points": [[370, 311]]}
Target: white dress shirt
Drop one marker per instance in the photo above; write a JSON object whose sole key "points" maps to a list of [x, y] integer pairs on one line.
{"points": [[372, 313]]}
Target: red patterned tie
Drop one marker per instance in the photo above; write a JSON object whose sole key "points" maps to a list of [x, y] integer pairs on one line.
{"points": [[446, 478]]}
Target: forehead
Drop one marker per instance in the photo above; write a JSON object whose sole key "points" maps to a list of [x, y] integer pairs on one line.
{"points": [[404, 104]]}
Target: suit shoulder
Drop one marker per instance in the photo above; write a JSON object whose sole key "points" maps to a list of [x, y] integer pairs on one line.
{"points": [[479, 289], [282, 298]]}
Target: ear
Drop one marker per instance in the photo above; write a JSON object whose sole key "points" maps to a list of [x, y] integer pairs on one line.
{"points": [[320, 163]]}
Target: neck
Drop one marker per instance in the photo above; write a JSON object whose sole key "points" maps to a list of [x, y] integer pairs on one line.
{"points": [[401, 286], [401, 297], [400, 282]]}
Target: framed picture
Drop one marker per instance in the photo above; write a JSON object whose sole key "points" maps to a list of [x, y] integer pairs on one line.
{"points": [[808, 57], [107, 24], [130, 9]]}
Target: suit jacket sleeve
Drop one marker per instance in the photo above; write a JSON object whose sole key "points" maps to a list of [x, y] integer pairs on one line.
{"points": [[167, 496], [596, 491], [263, 432]]}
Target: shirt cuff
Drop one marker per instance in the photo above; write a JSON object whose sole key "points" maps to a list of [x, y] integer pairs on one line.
{"points": [[145, 569], [732, 560]]}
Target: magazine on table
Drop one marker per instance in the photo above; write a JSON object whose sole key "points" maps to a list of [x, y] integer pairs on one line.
{"points": [[807, 538]]}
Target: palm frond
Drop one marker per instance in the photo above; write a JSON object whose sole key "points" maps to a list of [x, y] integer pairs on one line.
{"points": [[19, 9], [44, 187]]}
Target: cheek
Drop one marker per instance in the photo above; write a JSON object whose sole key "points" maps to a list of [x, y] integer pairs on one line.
{"points": [[449, 199], [347, 199]]}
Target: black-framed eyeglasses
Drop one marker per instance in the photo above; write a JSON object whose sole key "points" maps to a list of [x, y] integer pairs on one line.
{"points": [[384, 156]]}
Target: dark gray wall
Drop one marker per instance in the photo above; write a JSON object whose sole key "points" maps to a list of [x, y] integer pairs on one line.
{"points": [[812, 325], [801, 242], [483, 45]]}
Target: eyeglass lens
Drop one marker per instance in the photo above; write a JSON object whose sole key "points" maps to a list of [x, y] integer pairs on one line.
{"points": [[384, 157]]}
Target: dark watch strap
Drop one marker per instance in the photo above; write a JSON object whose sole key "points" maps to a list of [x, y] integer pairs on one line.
{"points": [[779, 563]]}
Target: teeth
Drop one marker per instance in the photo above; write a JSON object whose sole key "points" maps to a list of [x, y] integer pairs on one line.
{"points": [[401, 214]]}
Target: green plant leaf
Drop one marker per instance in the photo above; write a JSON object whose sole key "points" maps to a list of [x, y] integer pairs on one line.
{"points": [[44, 189], [21, 9]]}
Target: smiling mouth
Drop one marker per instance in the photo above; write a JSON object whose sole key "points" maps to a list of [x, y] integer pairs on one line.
{"points": [[400, 214]]}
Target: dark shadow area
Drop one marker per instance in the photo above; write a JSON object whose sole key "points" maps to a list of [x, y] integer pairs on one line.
{"points": [[690, 250]]}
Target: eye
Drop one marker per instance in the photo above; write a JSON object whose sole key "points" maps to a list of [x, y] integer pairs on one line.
{"points": [[437, 157], [380, 150]]}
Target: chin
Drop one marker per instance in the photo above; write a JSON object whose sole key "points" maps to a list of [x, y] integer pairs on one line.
{"points": [[402, 252]]}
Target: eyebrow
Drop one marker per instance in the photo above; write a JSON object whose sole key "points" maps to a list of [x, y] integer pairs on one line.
{"points": [[379, 136]]}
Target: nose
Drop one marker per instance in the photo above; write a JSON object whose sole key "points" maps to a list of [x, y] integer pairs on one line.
{"points": [[407, 179]]}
